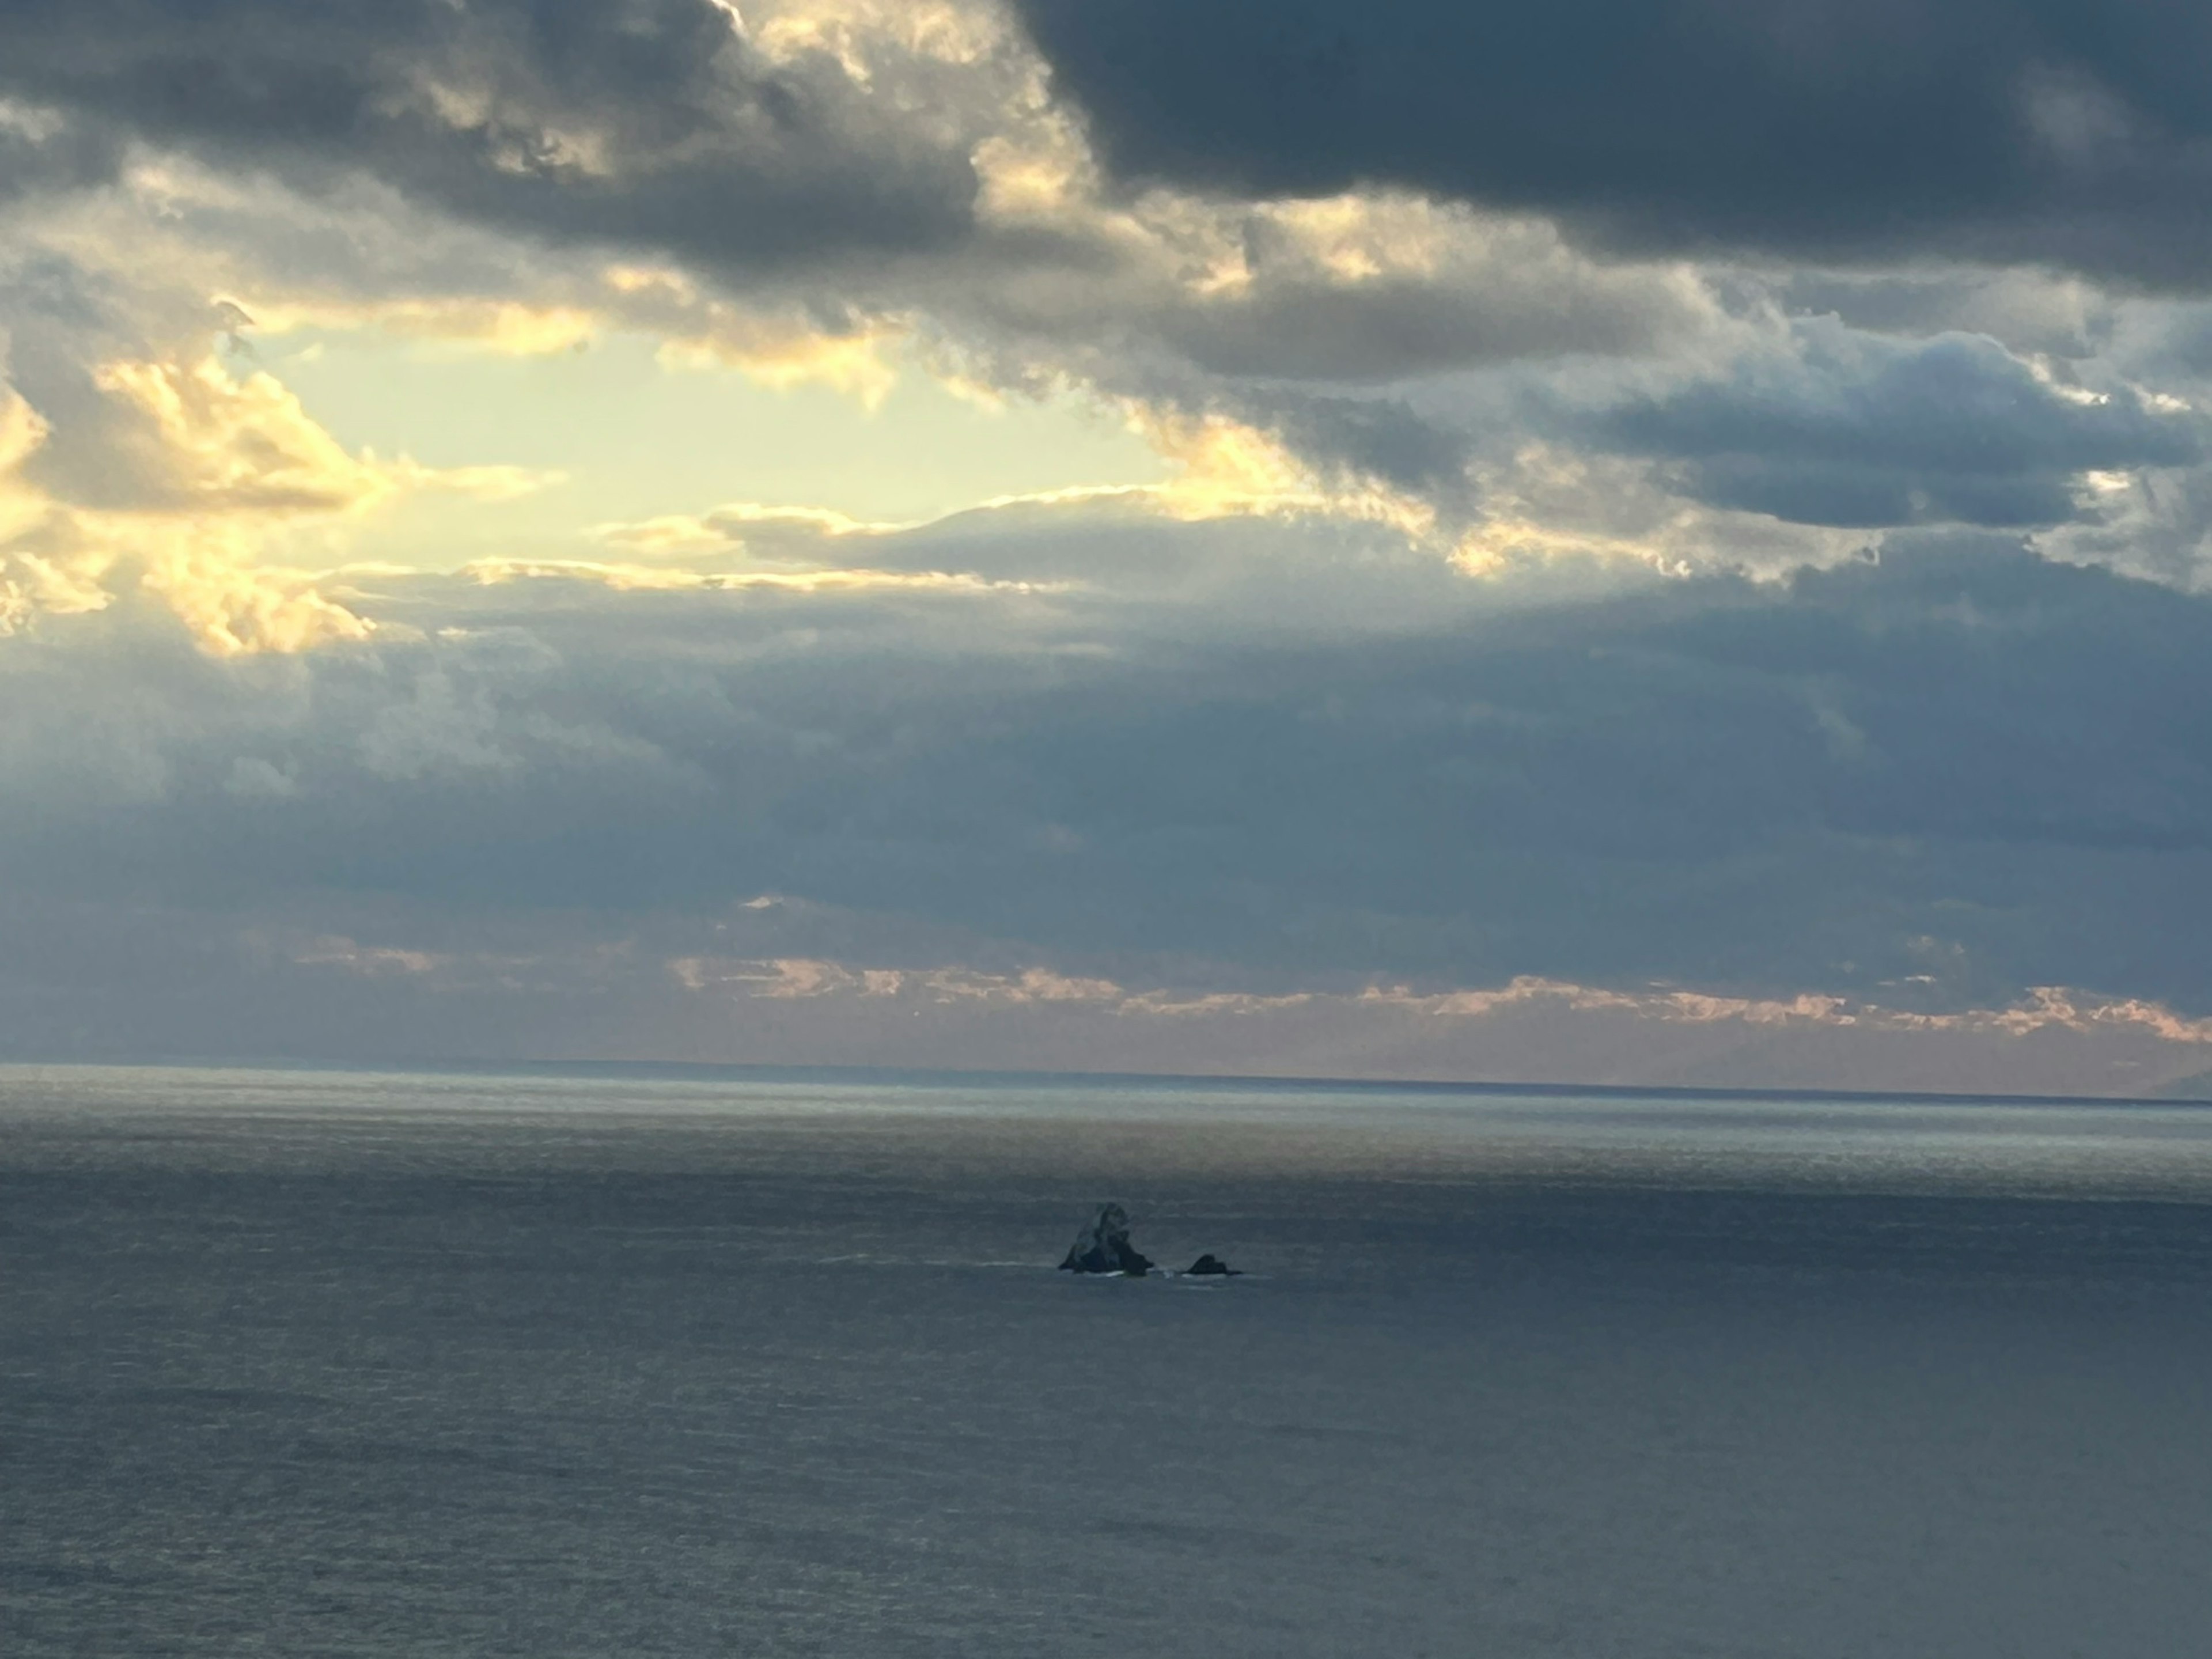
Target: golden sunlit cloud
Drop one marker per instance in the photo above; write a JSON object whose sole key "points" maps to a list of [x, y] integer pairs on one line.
{"points": [[778, 355], [227, 470], [511, 327], [695, 330], [222, 444], [1229, 468]]}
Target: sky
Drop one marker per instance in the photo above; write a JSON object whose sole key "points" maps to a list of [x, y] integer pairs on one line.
{"points": [[1623, 541]]}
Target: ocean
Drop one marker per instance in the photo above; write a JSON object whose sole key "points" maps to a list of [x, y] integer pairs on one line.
{"points": [[601, 1363]]}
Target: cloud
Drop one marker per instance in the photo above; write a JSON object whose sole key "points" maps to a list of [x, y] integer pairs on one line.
{"points": [[805, 194], [1267, 790], [42, 152], [2043, 1008], [518, 992], [207, 441], [1357, 289], [1849, 428], [813, 191], [1367, 289], [140, 459], [1934, 780], [2005, 130], [662, 123]]}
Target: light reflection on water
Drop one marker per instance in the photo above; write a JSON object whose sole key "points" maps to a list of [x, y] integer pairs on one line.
{"points": [[2077, 1147]]}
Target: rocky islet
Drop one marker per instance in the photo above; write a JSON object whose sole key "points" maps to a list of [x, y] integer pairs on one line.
{"points": [[1104, 1246]]}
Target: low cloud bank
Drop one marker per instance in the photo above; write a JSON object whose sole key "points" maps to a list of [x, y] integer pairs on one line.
{"points": [[1873, 805]]}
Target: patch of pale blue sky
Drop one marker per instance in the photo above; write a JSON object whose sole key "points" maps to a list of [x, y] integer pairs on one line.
{"points": [[633, 438]]}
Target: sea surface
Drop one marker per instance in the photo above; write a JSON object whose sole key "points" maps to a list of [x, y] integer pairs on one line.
{"points": [[614, 1363]]}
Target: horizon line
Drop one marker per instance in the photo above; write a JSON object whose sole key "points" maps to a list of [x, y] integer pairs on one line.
{"points": [[999, 1078]]}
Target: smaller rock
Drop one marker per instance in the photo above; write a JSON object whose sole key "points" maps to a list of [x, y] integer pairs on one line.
{"points": [[1212, 1264]]}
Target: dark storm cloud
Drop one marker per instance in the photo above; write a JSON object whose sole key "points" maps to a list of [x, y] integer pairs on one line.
{"points": [[1963, 769], [1521, 304], [646, 122], [1380, 437], [41, 151], [2073, 130], [1854, 429]]}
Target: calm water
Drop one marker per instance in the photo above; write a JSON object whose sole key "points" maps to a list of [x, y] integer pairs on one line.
{"points": [[347, 1363]]}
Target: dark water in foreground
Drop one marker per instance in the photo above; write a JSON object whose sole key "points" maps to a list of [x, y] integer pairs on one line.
{"points": [[351, 1365]]}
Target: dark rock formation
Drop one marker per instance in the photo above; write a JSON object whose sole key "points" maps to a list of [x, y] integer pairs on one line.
{"points": [[1211, 1263], [1104, 1246]]}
